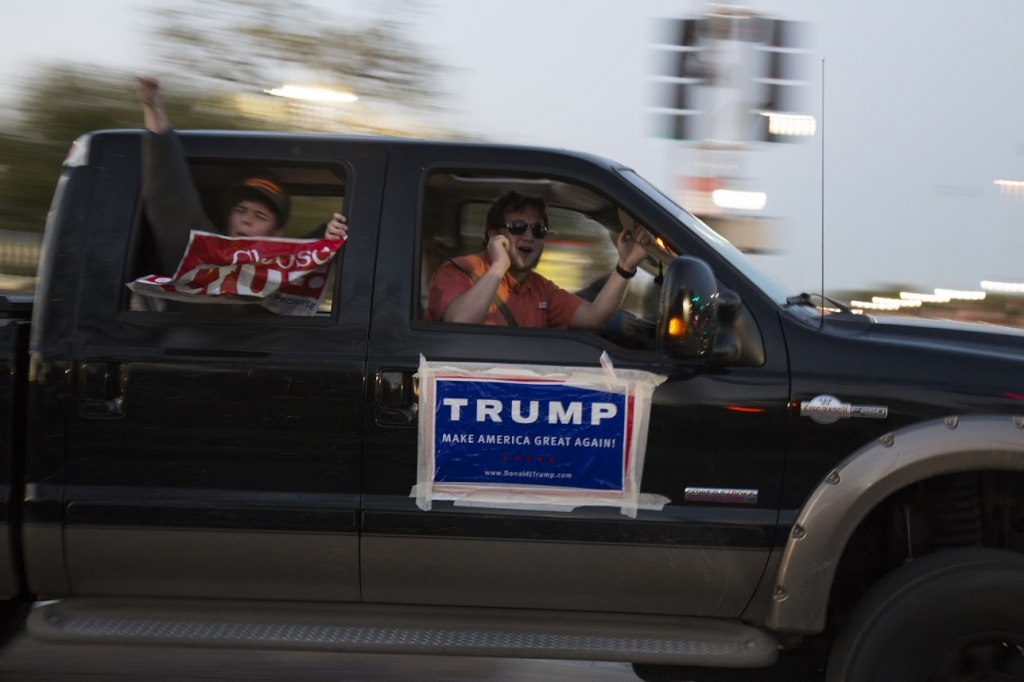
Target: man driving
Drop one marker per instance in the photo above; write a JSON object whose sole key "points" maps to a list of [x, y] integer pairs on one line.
{"points": [[500, 287]]}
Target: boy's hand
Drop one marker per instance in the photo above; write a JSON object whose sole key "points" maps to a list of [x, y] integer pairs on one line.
{"points": [[152, 109], [337, 227], [149, 91]]}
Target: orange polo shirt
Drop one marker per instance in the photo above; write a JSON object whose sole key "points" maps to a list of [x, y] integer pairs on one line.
{"points": [[534, 302]]}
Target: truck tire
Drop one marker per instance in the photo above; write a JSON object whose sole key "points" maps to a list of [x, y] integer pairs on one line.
{"points": [[953, 615]]}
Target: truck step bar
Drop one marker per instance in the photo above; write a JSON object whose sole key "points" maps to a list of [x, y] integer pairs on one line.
{"points": [[442, 631]]}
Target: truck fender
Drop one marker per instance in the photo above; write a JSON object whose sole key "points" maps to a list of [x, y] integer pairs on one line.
{"points": [[862, 481]]}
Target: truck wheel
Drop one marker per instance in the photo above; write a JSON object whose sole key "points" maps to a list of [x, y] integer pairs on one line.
{"points": [[954, 615]]}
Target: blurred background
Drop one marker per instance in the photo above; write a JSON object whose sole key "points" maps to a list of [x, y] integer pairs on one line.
{"points": [[872, 151]]}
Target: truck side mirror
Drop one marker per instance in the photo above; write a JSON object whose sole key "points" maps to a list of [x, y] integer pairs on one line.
{"points": [[689, 309], [727, 341]]}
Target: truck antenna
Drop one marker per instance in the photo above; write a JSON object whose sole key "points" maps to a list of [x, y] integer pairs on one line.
{"points": [[823, 299]]}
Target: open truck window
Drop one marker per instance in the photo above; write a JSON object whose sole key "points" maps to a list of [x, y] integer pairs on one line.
{"points": [[315, 192], [579, 251]]}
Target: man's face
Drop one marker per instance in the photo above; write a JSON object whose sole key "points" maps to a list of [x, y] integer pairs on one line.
{"points": [[250, 218], [525, 249]]}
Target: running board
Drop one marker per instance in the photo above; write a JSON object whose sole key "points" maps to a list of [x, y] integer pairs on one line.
{"points": [[443, 631]]}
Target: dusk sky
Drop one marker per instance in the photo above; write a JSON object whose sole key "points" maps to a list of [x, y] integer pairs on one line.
{"points": [[922, 107]]}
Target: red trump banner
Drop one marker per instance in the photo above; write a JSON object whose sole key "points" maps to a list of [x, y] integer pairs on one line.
{"points": [[286, 276]]}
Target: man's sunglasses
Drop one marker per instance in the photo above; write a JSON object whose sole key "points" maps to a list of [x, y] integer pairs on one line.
{"points": [[518, 227]]}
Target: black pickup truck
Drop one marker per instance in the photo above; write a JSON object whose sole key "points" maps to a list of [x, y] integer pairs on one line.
{"points": [[833, 483]]}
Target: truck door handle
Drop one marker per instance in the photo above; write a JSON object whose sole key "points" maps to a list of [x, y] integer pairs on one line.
{"points": [[101, 390], [397, 398]]}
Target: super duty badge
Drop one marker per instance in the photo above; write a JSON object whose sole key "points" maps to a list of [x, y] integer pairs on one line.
{"points": [[828, 409]]}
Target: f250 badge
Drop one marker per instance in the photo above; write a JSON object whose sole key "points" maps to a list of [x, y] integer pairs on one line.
{"points": [[828, 409]]}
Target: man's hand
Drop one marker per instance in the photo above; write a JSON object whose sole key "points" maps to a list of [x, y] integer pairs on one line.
{"points": [[472, 304], [596, 315], [497, 249], [599, 312], [337, 227], [631, 246]]}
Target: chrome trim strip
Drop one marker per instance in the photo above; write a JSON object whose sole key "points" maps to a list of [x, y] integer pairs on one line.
{"points": [[722, 495]]}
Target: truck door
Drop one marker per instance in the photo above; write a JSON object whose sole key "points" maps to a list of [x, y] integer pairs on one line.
{"points": [[716, 443], [211, 452], [14, 361]]}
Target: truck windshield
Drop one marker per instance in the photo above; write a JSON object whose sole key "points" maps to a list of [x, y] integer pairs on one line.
{"points": [[768, 284]]}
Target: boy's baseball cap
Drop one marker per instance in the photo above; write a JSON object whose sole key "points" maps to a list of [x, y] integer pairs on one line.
{"points": [[266, 189]]}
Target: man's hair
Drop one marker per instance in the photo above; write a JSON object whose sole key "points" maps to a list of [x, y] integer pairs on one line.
{"points": [[510, 202]]}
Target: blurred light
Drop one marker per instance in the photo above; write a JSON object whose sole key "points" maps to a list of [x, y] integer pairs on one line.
{"points": [[701, 183], [871, 305], [676, 327], [924, 298], [748, 201], [791, 124], [1014, 188], [731, 144], [312, 94], [898, 302], [961, 295], [1003, 287]]}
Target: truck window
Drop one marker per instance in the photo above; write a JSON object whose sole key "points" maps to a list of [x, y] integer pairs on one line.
{"points": [[578, 255], [315, 192]]}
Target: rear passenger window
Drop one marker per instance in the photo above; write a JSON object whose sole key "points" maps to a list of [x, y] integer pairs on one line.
{"points": [[314, 192]]}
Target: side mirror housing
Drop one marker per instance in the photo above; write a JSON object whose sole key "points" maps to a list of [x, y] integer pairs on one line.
{"points": [[688, 322], [727, 341]]}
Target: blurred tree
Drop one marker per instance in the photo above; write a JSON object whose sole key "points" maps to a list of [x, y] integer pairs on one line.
{"points": [[263, 43], [59, 104], [226, 49]]}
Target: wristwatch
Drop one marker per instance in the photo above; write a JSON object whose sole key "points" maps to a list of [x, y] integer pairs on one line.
{"points": [[625, 274]]}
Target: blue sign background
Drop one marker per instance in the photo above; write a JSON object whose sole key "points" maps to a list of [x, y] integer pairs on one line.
{"points": [[539, 453]]}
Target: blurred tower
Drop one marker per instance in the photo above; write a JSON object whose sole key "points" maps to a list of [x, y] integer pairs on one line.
{"points": [[785, 84], [678, 119], [727, 82]]}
